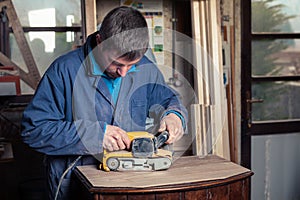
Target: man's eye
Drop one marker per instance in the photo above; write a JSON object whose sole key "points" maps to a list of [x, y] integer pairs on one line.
{"points": [[118, 64]]}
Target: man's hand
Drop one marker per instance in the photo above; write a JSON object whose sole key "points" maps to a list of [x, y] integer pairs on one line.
{"points": [[115, 139], [173, 124]]}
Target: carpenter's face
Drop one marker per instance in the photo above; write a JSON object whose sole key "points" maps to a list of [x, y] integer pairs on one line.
{"points": [[113, 65], [119, 67]]}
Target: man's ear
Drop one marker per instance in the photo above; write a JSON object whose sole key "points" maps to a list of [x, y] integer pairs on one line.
{"points": [[98, 38]]}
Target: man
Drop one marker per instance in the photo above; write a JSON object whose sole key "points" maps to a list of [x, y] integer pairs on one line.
{"points": [[90, 97]]}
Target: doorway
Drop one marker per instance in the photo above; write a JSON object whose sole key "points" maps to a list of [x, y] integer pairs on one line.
{"points": [[270, 95]]}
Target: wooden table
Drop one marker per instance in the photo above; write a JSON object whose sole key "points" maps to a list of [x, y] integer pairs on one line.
{"points": [[188, 178]]}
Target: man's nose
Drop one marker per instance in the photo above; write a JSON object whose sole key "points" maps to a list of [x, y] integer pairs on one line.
{"points": [[122, 71]]}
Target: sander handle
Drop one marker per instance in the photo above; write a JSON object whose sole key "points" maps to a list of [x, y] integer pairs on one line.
{"points": [[162, 138]]}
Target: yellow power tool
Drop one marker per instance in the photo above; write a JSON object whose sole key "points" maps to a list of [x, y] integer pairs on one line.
{"points": [[145, 154]]}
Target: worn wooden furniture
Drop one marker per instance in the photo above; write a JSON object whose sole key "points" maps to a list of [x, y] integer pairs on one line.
{"points": [[189, 177]]}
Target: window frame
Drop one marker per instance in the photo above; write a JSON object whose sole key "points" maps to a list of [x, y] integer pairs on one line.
{"points": [[6, 30], [272, 127]]}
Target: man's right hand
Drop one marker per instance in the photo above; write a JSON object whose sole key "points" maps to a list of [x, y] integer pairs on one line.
{"points": [[115, 139]]}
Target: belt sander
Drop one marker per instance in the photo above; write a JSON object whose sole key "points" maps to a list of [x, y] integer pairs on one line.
{"points": [[145, 154]]}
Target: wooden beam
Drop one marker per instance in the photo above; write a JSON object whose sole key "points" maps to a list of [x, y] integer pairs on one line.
{"points": [[199, 130], [198, 78], [234, 156], [90, 16]]}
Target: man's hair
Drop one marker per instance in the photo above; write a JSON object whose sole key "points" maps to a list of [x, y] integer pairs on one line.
{"points": [[124, 29]]}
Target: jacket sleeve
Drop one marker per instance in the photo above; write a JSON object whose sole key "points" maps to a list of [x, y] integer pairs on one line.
{"points": [[48, 126]]}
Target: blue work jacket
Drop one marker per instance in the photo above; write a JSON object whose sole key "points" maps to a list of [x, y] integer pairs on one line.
{"points": [[71, 108]]}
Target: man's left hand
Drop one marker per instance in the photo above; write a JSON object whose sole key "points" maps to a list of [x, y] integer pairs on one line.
{"points": [[173, 124]]}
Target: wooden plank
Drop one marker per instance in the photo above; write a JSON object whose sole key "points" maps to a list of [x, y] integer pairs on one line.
{"points": [[218, 91], [230, 122], [201, 129], [204, 53], [198, 77], [90, 15], [201, 78], [234, 157], [196, 127], [230, 94], [208, 128]]}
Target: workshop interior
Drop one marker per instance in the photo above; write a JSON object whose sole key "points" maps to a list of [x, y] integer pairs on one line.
{"points": [[235, 65]]}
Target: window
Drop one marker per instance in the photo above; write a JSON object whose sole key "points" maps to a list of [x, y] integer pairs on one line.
{"points": [[275, 59], [51, 29], [270, 96]]}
